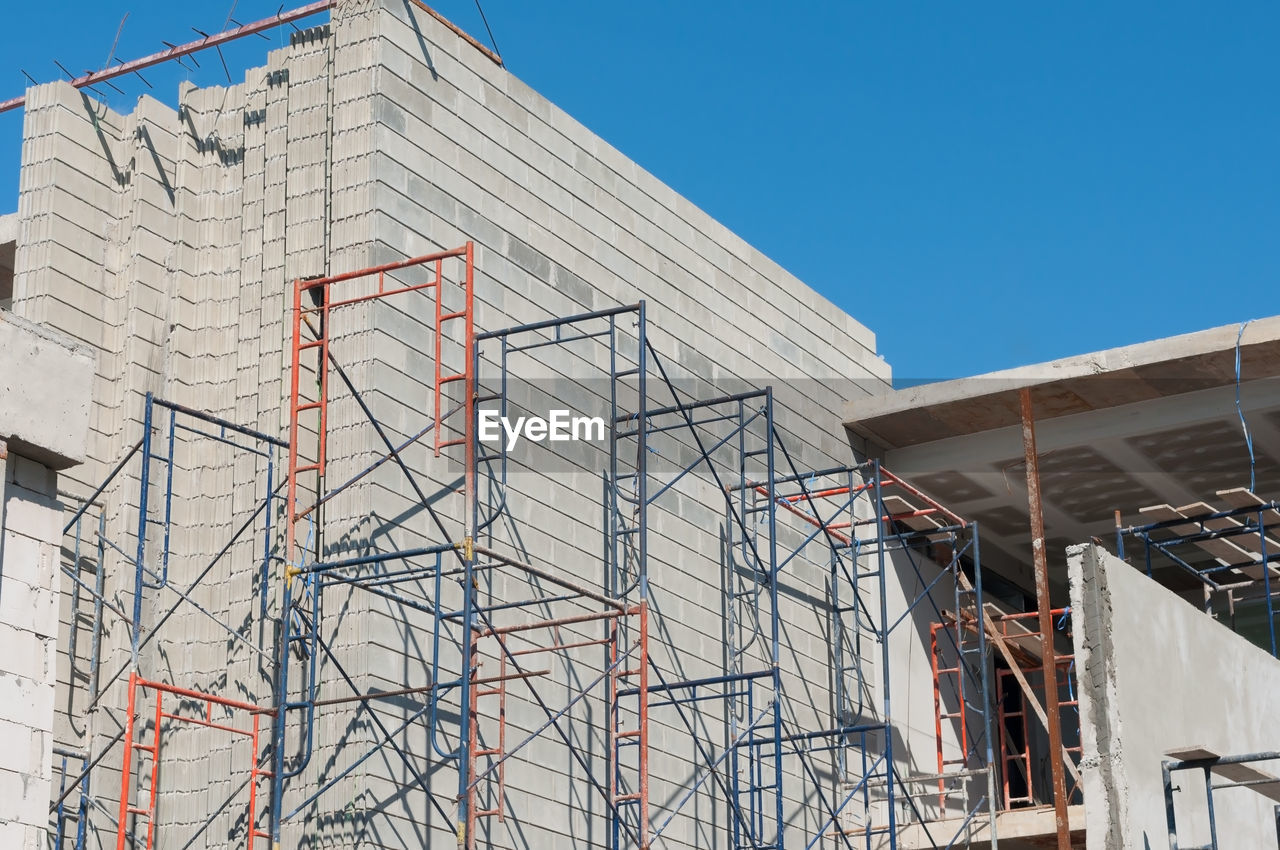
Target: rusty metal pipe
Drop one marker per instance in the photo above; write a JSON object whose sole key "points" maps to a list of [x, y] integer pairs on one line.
{"points": [[1044, 608]]}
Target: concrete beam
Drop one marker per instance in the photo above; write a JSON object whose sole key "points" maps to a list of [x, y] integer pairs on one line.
{"points": [[46, 382]]}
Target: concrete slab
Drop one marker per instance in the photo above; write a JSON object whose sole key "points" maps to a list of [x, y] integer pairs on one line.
{"points": [[1071, 385], [1018, 829]]}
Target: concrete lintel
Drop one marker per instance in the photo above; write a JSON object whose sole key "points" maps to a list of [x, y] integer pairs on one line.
{"points": [[45, 393]]}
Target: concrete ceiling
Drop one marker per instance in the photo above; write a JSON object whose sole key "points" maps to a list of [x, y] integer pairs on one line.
{"points": [[1149, 424]]}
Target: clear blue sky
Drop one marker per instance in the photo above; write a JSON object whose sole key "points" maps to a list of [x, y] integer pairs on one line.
{"points": [[982, 184]]}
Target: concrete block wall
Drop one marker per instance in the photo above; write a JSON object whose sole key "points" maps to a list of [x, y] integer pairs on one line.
{"points": [[168, 240], [564, 224], [30, 581], [45, 381], [163, 240]]}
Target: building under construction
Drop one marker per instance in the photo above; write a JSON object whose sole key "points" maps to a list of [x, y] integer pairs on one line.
{"points": [[390, 462]]}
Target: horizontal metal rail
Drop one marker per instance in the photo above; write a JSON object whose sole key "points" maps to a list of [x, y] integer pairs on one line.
{"points": [[180, 50]]}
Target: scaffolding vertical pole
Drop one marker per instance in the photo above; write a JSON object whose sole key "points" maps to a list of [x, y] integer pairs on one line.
{"points": [[471, 517], [643, 711], [1170, 819], [642, 568], [1044, 606], [82, 816], [735, 646], [1208, 799], [281, 688], [95, 639], [291, 495], [1266, 582], [143, 486], [61, 829], [126, 763], [882, 522], [775, 625], [252, 830], [987, 731], [266, 534], [281, 682], [168, 496], [155, 771]]}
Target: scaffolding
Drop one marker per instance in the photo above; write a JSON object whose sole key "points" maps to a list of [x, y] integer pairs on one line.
{"points": [[167, 430], [494, 616], [1229, 551], [1241, 771]]}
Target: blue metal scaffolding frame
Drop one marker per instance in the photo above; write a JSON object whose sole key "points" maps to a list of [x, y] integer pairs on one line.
{"points": [[759, 480], [1170, 538], [162, 421]]}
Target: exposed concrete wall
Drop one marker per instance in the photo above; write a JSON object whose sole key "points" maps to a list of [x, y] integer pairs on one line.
{"points": [[167, 241], [1155, 675]]}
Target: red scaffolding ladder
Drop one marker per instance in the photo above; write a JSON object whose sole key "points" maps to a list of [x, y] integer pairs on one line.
{"points": [[320, 291], [152, 750], [630, 665]]}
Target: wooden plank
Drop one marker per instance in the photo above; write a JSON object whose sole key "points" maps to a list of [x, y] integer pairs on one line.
{"points": [[1018, 633], [897, 507], [1224, 551], [1243, 497], [1248, 542], [1269, 784]]}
